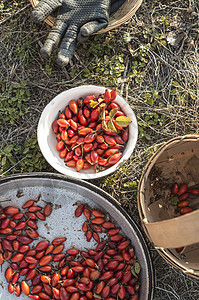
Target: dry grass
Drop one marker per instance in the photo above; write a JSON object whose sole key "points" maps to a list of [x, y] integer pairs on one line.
{"points": [[159, 80]]}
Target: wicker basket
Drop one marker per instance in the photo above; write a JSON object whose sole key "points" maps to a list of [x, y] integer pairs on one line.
{"points": [[123, 14], [177, 161]]}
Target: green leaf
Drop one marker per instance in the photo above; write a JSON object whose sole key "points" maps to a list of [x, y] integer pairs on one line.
{"points": [[104, 126], [111, 126], [103, 114], [113, 112], [147, 136], [34, 141], [174, 201], [12, 160], [103, 117], [8, 148], [100, 100], [176, 84], [26, 150], [123, 121], [133, 272], [93, 104], [102, 105], [97, 296], [3, 162], [137, 267]]}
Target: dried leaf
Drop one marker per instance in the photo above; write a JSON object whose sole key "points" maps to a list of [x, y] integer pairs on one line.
{"points": [[123, 121], [113, 112], [38, 198], [19, 194], [111, 126]]}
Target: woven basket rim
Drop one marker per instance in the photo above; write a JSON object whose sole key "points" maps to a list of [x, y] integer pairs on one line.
{"points": [[115, 19]]}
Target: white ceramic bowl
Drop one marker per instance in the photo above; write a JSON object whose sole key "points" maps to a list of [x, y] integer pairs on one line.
{"points": [[47, 139]]}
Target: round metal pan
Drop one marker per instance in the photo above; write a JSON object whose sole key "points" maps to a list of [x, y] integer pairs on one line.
{"points": [[63, 192]]}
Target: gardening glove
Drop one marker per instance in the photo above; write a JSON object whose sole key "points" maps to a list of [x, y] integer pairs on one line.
{"points": [[76, 19]]}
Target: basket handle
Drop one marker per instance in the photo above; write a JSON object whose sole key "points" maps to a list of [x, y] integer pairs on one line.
{"points": [[173, 233]]}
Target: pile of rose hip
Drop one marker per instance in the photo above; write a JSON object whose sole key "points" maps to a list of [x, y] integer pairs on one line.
{"points": [[183, 193], [92, 132], [110, 271]]}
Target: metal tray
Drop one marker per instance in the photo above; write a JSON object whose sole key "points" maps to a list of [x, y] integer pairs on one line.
{"points": [[63, 192]]}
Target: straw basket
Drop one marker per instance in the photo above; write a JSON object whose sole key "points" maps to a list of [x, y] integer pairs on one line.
{"points": [[123, 14], [175, 236]]}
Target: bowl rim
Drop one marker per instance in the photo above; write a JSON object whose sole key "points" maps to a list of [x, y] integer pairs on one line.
{"points": [[47, 153]]}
